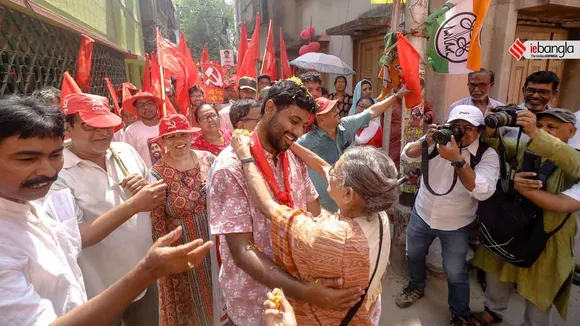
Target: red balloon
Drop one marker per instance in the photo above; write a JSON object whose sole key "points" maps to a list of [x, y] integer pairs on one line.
{"points": [[314, 46], [312, 31], [305, 34], [303, 50]]}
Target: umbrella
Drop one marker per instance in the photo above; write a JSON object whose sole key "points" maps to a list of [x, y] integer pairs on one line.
{"points": [[322, 63]]}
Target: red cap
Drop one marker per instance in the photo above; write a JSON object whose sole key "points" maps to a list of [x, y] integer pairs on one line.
{"points": [[173, 124], [129, 104], [324, 105], [94, 110]]}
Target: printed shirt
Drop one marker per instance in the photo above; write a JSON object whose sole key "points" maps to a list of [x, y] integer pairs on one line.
{"points": [[97, 191], [330, 150], [231, 211], [202, 144], [225, 122], [344, 104], [40, 279], [456, 209]]}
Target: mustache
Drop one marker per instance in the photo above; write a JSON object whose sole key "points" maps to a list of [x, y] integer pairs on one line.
{"points": [[292, 134], [38, 180]]}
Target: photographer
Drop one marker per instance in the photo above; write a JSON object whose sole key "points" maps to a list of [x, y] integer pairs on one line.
{"points": [[460, 156], [547, 280], [539, 89]]}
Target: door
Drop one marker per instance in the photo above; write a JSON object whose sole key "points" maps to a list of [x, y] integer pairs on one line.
{"points": [[367, 54], [521, 69]]}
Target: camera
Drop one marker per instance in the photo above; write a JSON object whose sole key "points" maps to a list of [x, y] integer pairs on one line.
{"points": [[503, 116], [445, 132]]}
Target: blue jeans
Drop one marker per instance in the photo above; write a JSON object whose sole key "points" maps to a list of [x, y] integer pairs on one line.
{"points": [[454, 245]]}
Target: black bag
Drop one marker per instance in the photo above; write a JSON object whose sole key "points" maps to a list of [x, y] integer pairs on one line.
{"points": [[511, 226]]}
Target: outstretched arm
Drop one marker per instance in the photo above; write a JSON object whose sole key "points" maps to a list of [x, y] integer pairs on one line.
{"points": [[312, 160], [380, 107], [161, 260]]}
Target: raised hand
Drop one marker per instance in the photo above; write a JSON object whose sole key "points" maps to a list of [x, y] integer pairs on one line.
{"points": [[149, 197], [163, 260]]}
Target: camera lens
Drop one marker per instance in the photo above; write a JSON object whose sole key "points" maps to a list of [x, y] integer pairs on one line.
{"points": [[497, 119], [442, 136]]}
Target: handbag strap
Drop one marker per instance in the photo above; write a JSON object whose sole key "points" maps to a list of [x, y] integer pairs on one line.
{"points": [[350, 315]]}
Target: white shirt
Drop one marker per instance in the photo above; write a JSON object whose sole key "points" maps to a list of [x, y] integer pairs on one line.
{"points": [[138, 135], [97, 191], [39, 275], [225, 122], [575, 141], [469, 101], [119, 136], [573, 192], [458, 208]]}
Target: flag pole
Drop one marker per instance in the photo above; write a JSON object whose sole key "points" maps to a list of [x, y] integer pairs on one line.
{"points": [[159, 59]]}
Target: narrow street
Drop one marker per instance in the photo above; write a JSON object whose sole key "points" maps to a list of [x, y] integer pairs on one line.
{"points": [[432, 309]]}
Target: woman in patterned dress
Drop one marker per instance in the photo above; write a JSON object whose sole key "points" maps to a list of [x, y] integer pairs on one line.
{"points": [[345, 245], [184, 299], [212, 138]]}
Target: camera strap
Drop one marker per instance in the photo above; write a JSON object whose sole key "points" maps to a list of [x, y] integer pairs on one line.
{"points": [[425, 158], [507, 180]]}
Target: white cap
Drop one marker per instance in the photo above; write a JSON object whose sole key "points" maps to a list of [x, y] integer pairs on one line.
{"points": [[469, 113]]}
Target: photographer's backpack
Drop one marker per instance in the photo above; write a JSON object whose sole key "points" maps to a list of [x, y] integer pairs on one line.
{"points": [[511, 226]]}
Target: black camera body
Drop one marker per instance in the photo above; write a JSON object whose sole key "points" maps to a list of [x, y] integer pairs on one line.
{"points": [[503, 116], [444, 133]]}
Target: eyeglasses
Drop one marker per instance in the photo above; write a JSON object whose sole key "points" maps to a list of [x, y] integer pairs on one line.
{"points": [[479, 85], [209, 117], [146, 105], [540, 91], [364, 107], [197, 97]]}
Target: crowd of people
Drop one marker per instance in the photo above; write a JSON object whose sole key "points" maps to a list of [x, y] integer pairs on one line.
{"points": [[202, 217]]}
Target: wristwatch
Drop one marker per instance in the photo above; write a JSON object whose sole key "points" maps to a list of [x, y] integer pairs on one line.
{"points": [[248, 160], [458, 165]]}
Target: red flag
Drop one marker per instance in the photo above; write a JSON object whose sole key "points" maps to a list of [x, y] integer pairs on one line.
{"points": [[174, 64], [409, 61], [286, 70], [147, 75], [193, 74], [213, 82], [84, 62], [243, 46], [69, 86], [269, 62], [113, 94], [128, 90], [204, 55], [248, 68], [156, 86]]}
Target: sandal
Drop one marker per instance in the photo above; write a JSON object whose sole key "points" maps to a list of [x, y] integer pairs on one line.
{"points": [[487, 318]]}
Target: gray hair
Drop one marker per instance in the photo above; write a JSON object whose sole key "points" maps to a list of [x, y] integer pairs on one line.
{"points": [[373, 175]]}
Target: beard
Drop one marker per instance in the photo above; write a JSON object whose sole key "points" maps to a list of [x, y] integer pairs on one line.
{"points": [[276, 134]]}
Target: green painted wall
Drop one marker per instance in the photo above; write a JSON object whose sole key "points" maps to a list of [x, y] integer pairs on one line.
{"points": [[117, 20]]}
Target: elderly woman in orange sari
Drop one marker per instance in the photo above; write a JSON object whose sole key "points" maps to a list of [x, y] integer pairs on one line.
{"points": [[352, 244]]}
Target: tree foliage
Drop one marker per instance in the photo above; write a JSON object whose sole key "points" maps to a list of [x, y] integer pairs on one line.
{"points": [[208, 22]]}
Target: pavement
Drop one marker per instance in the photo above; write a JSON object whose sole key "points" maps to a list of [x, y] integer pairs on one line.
{"points": [[432, 309]]}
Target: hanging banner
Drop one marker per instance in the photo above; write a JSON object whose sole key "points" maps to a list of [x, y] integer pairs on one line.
{"points": [[213, 82]]}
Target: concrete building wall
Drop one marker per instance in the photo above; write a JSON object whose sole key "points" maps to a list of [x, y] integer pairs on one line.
{"points": [[119, 22]]}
